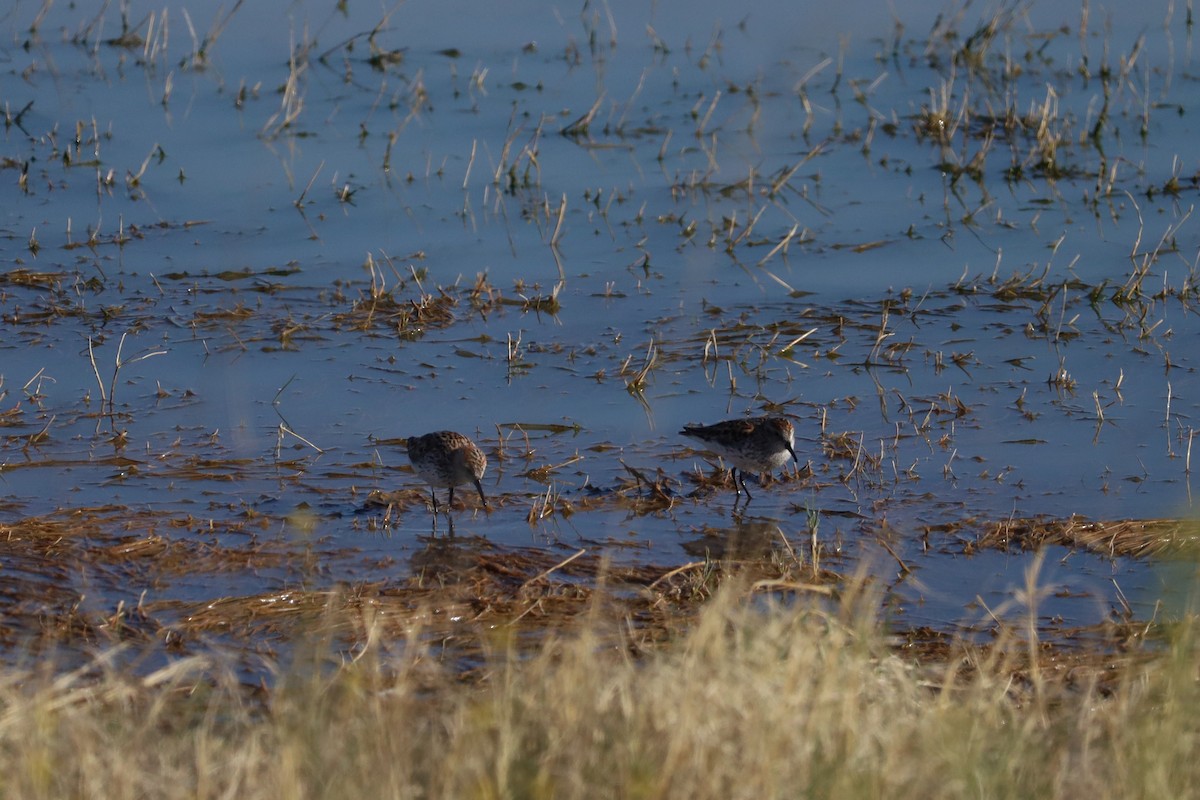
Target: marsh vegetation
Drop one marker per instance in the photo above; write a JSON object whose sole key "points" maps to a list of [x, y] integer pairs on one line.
{"points": [[249, 251]]}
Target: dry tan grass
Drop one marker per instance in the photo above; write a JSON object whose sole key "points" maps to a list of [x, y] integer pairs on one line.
{"points": [[755, 700]]}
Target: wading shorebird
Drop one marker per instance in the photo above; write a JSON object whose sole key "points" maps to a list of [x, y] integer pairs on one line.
{"points": [[758, 444], [447, 459]]}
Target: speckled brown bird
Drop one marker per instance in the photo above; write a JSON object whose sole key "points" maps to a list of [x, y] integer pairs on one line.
{"points": [[757, 444], [447, 459]]}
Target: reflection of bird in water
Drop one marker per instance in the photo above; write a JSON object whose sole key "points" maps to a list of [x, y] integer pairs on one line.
{"points": [[447, 561], [447, 459], [745, 541], [758, 444]]}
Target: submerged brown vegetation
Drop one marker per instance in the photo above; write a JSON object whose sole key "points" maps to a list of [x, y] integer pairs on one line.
{"points": [[456, 591], [1141, 538], [767, 688]]}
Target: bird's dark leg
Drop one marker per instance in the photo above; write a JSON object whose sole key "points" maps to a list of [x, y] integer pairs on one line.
{"points": [[739, 479], [433, 516], [450, 507]]}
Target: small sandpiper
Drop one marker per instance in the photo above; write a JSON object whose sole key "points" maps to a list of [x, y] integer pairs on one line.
{"points": [[448, 459], [758, 444]]}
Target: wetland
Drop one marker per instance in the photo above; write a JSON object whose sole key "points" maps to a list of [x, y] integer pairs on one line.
{"points": [[248, 250]]}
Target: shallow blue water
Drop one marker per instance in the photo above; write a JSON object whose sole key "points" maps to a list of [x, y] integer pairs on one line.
{"points": [[693, 101]]}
